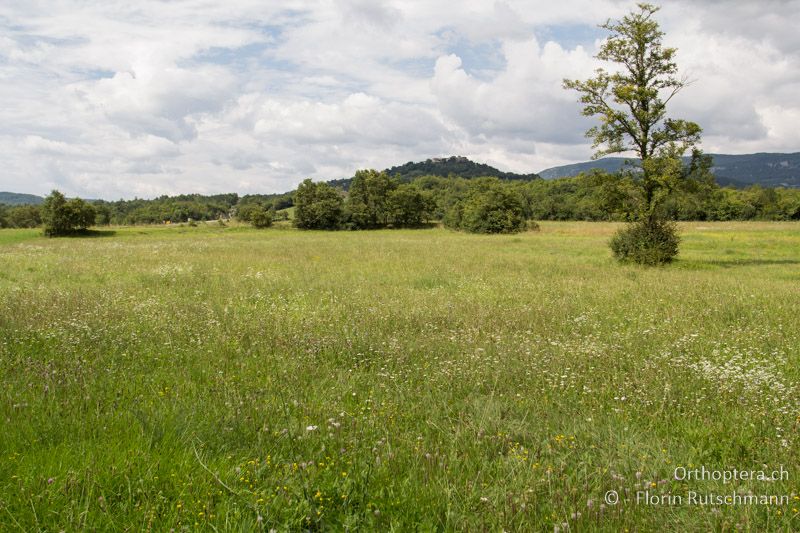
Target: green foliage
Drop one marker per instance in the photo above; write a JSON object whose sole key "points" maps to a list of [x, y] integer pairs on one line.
{"points": [[245, 211], [368, 199], [63, 217], [260, 217], [54, 215], [490, 207], [173, 209], [443, 193], [408, 206], [646, 242], [103, 214], [283, 214], [22, 216], [453, 166], [318, 206], [594, 196], [631, 104]]}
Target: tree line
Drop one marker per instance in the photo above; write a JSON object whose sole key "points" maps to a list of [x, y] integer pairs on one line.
{"points": [[490, 205], [383, 201]]}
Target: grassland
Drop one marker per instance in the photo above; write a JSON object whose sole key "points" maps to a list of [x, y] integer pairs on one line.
{"points": [[233, 379]]}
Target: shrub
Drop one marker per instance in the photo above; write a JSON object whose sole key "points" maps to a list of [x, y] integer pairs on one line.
{"points": [[245, 212], [491, 207], [647, 242], [260, 218]]}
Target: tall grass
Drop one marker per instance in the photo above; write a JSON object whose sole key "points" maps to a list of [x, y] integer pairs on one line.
{"points": [[233, 379]]}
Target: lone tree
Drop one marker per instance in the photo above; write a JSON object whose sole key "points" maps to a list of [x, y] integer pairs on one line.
{"points": [[631, 103], [63, 217]]}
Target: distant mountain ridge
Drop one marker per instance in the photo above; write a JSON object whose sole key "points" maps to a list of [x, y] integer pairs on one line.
{"points": [[765, 169], [15, 198]]}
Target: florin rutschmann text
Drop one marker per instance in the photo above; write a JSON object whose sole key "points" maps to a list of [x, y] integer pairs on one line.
{"points": [[733, 497]]}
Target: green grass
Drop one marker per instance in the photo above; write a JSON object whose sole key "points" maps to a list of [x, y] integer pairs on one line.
{"points": [[232, 379]]}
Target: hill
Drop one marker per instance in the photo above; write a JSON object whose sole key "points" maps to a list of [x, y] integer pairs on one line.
{"points": [[13, 198], [456, 166], [768, 170], [444, 166]]}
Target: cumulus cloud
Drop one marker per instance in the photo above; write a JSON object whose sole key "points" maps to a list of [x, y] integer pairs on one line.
{"points": [[112, 99], [524, 100], [158, 99]]}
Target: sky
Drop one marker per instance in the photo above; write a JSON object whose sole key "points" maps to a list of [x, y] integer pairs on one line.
{"points": [[121, 99]]}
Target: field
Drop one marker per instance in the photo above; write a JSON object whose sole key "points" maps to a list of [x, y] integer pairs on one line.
{"points": [[223, 379]]}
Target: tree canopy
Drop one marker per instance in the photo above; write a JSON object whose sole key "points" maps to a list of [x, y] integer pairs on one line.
{"points": [[317, 206], [631, 103], [62, 217]]}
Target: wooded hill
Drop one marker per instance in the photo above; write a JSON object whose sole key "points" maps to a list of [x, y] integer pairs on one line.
{"points": [[444, 167]]}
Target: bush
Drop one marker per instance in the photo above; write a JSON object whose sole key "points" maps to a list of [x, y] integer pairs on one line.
{"points": [[245, 212], [260, 218], [491, 207], [647, 242]]}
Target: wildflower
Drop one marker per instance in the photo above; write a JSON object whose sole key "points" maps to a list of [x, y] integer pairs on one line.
{"points": [[311, 428]]}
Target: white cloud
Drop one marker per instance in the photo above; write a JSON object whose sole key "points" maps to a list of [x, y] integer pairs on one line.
{"points": [[112, 98], [524, 100], [157, 99]]}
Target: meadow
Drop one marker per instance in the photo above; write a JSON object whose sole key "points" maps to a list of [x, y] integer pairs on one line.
{"points": [[231, 379]]}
